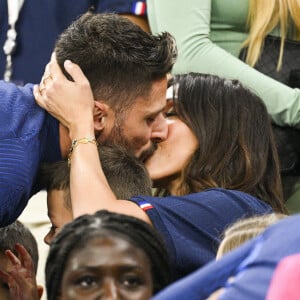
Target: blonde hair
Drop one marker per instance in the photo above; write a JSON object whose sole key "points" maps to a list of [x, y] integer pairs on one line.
{"points": [[244, 230], [263, 17]]}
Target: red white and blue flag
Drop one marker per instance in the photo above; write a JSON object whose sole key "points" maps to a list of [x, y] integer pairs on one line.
{"points": [[139, 8], [145, 205]]}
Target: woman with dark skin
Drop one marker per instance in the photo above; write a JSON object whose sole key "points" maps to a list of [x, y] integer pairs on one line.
{"points": [[106, 255]]}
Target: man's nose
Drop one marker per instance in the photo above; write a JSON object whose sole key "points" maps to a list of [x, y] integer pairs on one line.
{"points": [[159, 129]]}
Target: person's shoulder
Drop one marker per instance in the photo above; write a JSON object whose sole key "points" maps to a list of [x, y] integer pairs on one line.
{"points": [[14, 95], [231, 199], [231, 194], [213, 198], [20, 116], [213, 194], [221, 194], [286, 227]]}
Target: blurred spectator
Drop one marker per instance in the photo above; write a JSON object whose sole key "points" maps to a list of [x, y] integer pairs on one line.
{"points": [[39, 23]]}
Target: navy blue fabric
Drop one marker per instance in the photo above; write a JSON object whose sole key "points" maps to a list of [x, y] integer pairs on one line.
{"points": [[192, 225], [28, 136], [40, 23], [252, 265], [121, 6]]}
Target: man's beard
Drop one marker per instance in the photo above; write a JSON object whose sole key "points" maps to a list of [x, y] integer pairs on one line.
{"points": [[149, 152], [117, 137]]}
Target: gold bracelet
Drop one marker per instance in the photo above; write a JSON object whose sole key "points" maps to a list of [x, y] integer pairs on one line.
{"points": [[75, 142]]}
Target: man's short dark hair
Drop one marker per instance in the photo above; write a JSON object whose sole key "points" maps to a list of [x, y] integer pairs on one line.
{"points": [[120, 60]]}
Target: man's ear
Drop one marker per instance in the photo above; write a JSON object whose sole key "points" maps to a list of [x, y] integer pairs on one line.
{"points": [[40, 291], [100, 113]]}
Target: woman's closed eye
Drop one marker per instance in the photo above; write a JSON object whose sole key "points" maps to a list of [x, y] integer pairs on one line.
{"points": [[170, 114]]}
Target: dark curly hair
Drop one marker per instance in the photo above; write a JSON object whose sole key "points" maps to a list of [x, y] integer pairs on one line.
{"points": [[84, 228], [120, 60]]}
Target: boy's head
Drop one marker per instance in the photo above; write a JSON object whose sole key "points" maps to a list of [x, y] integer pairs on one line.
{"points": [[126, 175], [9, 237]]}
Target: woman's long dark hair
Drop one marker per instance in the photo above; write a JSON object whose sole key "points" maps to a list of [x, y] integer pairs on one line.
{"points": [[236, 145]]}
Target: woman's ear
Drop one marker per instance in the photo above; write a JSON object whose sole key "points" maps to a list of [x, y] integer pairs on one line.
{"points": [[100, 113]]}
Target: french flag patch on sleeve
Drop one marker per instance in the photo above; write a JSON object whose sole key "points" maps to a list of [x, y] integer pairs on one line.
{"points": [[145, 205], [139, 8]]}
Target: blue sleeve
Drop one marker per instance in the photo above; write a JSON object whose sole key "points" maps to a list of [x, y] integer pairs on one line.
{"points": [[251, 267], [26, 134], [16, 106], [253, 277], [202, 283]]}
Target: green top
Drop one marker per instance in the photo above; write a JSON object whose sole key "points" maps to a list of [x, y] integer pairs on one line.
{"points": [[209, 34]]}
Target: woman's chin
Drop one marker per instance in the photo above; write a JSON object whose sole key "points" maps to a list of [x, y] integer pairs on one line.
{"points": [[150, 164], [155, 174], [154, 169]]}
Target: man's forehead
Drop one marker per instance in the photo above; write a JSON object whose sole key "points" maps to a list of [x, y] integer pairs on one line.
{"points": [[150, 105]]}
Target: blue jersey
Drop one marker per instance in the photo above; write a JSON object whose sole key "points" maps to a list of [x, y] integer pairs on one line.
{"points": [[192, 225], [28, 136]]}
